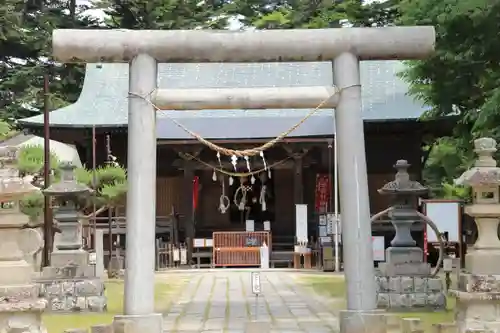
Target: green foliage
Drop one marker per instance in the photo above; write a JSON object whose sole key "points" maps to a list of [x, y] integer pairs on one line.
{"points": [[32, 205], [164, 14], [31, 159], [450, 191], [463, 75], [461, 78], [445, 163], [6, 131], [313, 14], [25, 47], [108, 182]]}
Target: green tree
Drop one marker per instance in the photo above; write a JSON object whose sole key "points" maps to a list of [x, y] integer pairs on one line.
{"points": [[25, 48], [313, 14], [164, 14], [109, 182], [461, 79], [446, 161]]}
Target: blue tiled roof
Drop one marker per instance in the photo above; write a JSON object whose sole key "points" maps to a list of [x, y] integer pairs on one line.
{"points": [[103, 101]]}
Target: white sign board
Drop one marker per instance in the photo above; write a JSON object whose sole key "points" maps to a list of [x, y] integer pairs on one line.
{"points": [[378, 246], [333, 225], [447, 265], [92, 258], [446, 216], [250, 226], [256, 289], [301, 223], [267, 225], [199, 242]]}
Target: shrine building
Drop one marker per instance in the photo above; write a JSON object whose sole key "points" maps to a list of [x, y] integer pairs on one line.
{"points": [[291, 169]]}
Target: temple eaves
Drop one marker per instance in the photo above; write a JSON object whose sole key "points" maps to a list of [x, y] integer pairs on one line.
{"points": [[103, 101]]}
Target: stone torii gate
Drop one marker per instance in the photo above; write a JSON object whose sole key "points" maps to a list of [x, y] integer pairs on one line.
{"points": [[344, 47]]}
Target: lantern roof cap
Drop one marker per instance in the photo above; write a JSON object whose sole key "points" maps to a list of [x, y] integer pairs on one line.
{"points": [[12, 186], [485, 171], [402, 184], [67, 186]]}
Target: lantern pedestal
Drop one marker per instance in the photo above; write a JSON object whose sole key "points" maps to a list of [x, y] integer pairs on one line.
{"points": [[77, 258], [478, 292], [20, 305]]}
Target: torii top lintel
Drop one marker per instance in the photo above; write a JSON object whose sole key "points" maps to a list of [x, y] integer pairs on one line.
{"points": [[184, 46]]}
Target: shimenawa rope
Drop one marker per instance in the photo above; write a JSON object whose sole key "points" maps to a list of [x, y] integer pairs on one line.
{"points": [[246, 152], [236, 174]]}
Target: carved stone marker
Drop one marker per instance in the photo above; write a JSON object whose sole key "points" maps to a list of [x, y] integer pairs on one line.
{"points": [[405, 280], [20, 306], [478, 293]]}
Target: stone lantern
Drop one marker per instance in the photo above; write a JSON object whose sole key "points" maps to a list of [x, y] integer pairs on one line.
{"points": [[68, 244], [478, 294], [404, 194], [20, 306], [405, 281]]}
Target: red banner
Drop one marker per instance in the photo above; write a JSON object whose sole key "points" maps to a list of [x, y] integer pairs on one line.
{"points": [[323, 193], [196, 185]]}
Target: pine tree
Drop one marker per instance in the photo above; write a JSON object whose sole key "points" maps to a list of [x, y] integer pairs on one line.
{"points": [[309, 14], [25, 56], [164, 14]]}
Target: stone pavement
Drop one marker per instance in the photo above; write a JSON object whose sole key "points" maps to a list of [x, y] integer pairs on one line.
{"points": [[222, 301]]}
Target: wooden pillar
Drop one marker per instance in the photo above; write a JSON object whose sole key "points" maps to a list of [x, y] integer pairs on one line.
{"points": [[187, 204], [298, 179]]}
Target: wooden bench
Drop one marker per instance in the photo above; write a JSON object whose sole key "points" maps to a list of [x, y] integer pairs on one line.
{"points": [[203, 253], [280, 258]]}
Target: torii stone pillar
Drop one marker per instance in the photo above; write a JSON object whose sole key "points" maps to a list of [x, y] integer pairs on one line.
{"points": [[345, 47]]}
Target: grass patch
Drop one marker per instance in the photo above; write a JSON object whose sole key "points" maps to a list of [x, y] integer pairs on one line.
{"points": [[57, 323], [334, 286]]}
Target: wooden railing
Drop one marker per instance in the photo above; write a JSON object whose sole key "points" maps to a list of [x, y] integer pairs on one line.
{"points": [[239, 248]]}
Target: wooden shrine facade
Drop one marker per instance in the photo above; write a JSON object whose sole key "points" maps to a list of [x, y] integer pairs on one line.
{"points": [[293, 180]]}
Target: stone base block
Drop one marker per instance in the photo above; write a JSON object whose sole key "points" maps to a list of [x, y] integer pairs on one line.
{"points": [[362, 322], [409, 302], [479, 262], [475, 283], [478, 315], [19, 292], [404, 255], [22, 321], [408, 284], [407, 293], [407, 269], [478, 303], [78, 295], [68, 272], [446, 328], [15, 272], [151, 323], [64, 258]]}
